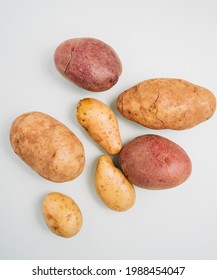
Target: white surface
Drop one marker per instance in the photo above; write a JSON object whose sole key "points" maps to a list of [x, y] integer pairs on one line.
{"points": [[153, 38]]}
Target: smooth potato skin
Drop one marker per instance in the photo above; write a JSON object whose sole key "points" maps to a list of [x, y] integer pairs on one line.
{"points": [[111, 185], [154, 162], [47, 146], [167, 103], [101, 124], [89, 63], [61, 214]]}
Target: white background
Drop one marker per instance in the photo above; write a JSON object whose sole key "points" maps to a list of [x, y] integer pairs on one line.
{"points": [[153, 38]]}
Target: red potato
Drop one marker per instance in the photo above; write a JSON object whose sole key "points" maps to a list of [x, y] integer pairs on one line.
{"points": [[89, 63], [154, 162]]}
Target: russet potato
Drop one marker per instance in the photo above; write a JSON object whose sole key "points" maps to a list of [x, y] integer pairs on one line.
{"points": [[47, 146], [167, 103]]}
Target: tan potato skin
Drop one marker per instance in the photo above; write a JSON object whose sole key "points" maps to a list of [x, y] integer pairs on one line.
{"points": [[61, 214], [101, 124], [89, 63], [112, 187], [47, 146], [154, 162], [167, 103]]}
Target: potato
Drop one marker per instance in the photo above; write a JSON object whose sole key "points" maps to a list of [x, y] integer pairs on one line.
{"points": [[112, 187], [101, 124], [61, 214], [89, 63], [167, 103], [154, 162], [47, 146]]}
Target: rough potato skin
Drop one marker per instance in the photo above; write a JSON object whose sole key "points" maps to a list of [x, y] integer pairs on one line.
{"points": [[47, 146], [61, 214], [101, 123], [89, 63], [111, 185], [167, 103], [154, 162]]}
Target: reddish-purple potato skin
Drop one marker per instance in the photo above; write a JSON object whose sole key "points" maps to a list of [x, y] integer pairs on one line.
{"points": [[89, 63], [154, 162]]}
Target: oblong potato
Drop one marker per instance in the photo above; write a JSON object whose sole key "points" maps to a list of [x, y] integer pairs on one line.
{"points": [[61, 214], [112, 186], [167, 103], [89, 63], [47, 146], [154, 162], [101, 124]]}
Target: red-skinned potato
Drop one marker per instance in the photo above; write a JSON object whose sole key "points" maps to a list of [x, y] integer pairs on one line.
{"points": [[89, 63], [154, 162]]}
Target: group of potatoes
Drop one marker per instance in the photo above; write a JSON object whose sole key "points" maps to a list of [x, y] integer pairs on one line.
{"points": [[149, 161]]}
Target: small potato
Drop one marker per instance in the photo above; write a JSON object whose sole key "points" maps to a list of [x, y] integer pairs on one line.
{"points": [[154, 162], [112, 186], [101, 124], [47, 146], [167, 103], [89, 63], [61, 214]]}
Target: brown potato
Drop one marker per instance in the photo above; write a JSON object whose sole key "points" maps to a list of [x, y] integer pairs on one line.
{"points": [[61, 214], [101, 123], [89, 63], [154, 162], [112, 186], [167, 103], [47, 146]]}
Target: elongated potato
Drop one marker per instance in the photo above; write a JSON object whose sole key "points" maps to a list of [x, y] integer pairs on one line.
{"points": [[112, 186], [47, 146], [167, 103], [61, 214], [101, 124], [154, 162]]}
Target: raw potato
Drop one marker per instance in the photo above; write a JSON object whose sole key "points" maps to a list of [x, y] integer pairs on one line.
{"points": [[167, 103], [47, 146], [101, 123], [154, 162], [112, 186], [89, 63], [61, 214]]}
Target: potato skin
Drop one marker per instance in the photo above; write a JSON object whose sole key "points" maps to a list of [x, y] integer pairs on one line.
{"points": [[61, 214], [111, 185], [47, 146], [101, 124], [89, 63], [154, 162], [167, 103]]}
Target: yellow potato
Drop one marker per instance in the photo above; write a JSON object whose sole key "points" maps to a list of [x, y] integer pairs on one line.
{"points": [[112, 186], [167, 103], [47, 146], [101, 124], [61, 214]]}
